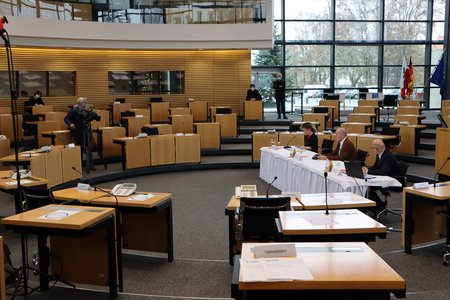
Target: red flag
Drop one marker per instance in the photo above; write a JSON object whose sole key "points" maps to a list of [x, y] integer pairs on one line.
{"points": [[411, 78], [405, 92]]}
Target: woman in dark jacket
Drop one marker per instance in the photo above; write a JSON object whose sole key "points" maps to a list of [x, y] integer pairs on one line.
{"points": [[311, 140]]}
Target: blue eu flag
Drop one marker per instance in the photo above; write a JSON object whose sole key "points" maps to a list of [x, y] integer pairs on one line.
{"points": [[438, 76]]}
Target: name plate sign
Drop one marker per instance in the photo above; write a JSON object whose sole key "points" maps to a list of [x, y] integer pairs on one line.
{"points": [[275, 250]]}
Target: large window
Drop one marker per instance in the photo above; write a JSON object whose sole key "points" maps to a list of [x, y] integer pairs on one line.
{"points": [[348, 44], [50, 83], [146, 82]]}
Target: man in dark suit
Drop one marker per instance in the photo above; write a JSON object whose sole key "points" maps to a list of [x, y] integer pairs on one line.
{"points": [[279, 87], [345, 149], [386, 164]]}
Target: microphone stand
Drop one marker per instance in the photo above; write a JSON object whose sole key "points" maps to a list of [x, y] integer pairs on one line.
{"points": [[437, 173], [287, 144], [325, 174], [267, 192]]}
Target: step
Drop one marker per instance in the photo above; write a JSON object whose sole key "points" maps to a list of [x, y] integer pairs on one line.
{"points": [[238, 140], [427, 146], [416, 159]]}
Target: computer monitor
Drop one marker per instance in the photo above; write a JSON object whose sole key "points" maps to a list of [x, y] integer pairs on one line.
{"points": [[156, 99], [320, 109], [331, 97], [120, 100], [328, 91], [150, 130], [390, 101], [441, 119], [354, 169]]}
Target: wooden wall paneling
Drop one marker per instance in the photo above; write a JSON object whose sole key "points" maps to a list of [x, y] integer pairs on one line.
{"points": [[198, 75]]}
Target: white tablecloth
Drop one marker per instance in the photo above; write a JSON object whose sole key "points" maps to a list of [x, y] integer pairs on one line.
{"points": [[306, 176]]}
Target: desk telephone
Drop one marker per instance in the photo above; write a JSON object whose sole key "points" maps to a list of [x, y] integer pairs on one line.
{"points": [[247, 190], [124, 189]]}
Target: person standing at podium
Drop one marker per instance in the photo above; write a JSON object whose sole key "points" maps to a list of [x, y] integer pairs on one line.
{"points": [[253, 93], [311, 141], [279, 86]]}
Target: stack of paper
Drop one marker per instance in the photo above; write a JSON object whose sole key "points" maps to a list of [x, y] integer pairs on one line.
{"points": [[274, 269]]}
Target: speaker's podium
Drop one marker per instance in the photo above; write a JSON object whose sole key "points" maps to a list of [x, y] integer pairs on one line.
{"points": [[253, 110]]}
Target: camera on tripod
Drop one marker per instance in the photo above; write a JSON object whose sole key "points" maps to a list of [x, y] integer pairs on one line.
{"points": [[89, 116]]}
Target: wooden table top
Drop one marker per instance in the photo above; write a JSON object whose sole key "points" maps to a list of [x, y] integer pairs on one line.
{"points": [[47, 216], [75, 194], [345, 221], [412, 126], [7, 183], [335, 201], [334, 266], [129, 202], [440, 192]]}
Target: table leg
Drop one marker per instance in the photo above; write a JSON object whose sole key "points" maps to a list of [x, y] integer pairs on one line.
{"points": [[112, 256], [231, 236], [123, 157], [44, 261], [408, 211], [119, 247], [169, 232]]}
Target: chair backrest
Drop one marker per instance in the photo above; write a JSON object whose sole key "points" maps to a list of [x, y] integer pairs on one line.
{"points": [[390, 100], [320, 110], [403, 169], [259, 214], [327, 146], [150, 130], [223, 110], [156, 99], [391, 143], [127, 113], [34, 197], [361, 154], [121, 100]]}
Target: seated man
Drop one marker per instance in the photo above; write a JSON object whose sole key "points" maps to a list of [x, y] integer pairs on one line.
{"points": [[345, 149], [386, 164]]}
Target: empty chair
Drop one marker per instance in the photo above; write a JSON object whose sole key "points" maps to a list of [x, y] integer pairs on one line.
{"points": [[156, 99], [391, 143], [327, 146], [223, 110], [150, 130], [361, 154], [386, 192], [35, 197], [257, 217]]}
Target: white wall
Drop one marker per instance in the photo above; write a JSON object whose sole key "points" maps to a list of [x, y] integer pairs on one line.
{"points": [[26, 31]]}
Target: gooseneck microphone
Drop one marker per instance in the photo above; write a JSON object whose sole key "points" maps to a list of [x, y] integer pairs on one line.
{"points": [[437, 173], [88, 179], [267, 192], [287, 144]]}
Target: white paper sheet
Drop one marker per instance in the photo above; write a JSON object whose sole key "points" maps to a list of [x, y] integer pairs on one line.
{"points": [[59, 214], [274, 269], [141, 197]]}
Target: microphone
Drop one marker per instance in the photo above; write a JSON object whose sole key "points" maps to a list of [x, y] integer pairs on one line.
{"points": [[88, 179], [437, 173], [287, 144], [267, 192]]}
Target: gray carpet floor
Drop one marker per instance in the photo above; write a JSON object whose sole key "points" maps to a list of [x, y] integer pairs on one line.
{"points": [[201, 269]]}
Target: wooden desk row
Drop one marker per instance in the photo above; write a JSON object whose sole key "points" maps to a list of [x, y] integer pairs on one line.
{"points": [[264, 139], [55, 166], [159, 150]]}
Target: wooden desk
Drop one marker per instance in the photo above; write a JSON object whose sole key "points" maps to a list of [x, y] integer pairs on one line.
{"points": [[78, 243], [362, 118], [262, 139], [6, 126], [199, 110], [145, 112], [293, 138], [2, 272], [58, 117], [162, 128], [343, 200], [104, 119], [330, 112], [369, 102], [368, 110], [209, 135], [228, 124], [41, 109], [182, 123], [180, 111], [364, 142], [187, 148], [316, 117], [409, 110], [5, 150], [159, 112], [162, 149], [145, 225], [334, 278], [442, 152], [337, 108], [346, 225], [213, 109], [5, 110], [58, 137], [417, 103], [354, 127], [411, 119], [445, 111], [410, 138], [134, 124], [421, 223], [105, 137], [253, 110], [43, 126], [117, 109], [135, 152], [85, 197]]}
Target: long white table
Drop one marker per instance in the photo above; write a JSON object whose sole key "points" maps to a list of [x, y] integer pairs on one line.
{"points": [[306, 176]]}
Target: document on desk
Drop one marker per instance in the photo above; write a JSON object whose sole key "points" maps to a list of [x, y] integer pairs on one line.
{"points": [[274, 269], [59, 214], [141, 197], [23, 181]]}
